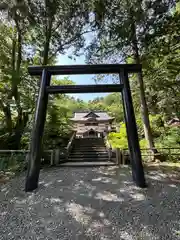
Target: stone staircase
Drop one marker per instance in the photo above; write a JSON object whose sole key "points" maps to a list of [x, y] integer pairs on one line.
{"points": [[88, 152]]}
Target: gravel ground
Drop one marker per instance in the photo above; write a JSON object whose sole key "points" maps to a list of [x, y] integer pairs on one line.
{"points": [[91, 203]]}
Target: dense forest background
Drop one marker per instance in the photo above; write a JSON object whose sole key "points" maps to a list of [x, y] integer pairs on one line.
{"points": [[139, 31]]}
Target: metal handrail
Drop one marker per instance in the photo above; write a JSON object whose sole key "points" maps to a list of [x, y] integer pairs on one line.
{"points": [[108, 147], [69, 146]]}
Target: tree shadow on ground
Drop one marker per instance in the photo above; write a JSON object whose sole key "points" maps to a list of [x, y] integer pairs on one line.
{"points": [[92, 203]]}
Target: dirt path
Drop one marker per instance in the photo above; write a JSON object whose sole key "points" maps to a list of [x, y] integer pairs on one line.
{"points": [[91, 203]]}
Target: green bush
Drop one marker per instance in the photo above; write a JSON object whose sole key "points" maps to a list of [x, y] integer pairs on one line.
{"points": [[119, 140], [14, 162]]}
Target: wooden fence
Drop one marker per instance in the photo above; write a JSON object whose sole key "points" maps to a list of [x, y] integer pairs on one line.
{"points": [[18, 158], [163, 154]]}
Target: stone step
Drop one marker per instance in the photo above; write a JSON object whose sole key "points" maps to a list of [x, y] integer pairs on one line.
{"points": [[89, 153], [89, 150], [87, 159], [89, 142], [85, 140], [89, 139], [89, 147], [88, 156], [96, 152], [87, 164]]}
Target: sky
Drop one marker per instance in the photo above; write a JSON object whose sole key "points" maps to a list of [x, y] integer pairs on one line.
{"points": [[79, 79]]}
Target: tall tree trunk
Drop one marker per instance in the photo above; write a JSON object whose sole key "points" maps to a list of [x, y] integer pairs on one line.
{"points": [[19, 51], [22, 117], [47, 42], [13, 51], [16, 80], [144, 107], [19, 129], [7, 113], [6, 108], [46, 52]]}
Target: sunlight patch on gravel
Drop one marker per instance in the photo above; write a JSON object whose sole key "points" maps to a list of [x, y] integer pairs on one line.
{"points": [[91, 203]]}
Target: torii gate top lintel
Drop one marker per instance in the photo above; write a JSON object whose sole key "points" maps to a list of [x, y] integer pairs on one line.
{"points": [[85, 69]]}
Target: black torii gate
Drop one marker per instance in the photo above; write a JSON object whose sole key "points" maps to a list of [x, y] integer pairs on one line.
{"points": [[40, 115]]}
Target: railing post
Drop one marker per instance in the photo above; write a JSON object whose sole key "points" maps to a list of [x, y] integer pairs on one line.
{"points": [[37, 133], [150, 155], [170, 157], [118, 156], [57, 155], [122, 157], [133, 141], [52, 158]]}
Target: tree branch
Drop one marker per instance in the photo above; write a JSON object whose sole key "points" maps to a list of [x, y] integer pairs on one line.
{"points": [[67, 43]]}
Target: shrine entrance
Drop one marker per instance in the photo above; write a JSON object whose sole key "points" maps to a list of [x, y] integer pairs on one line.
{"points": [[40, 115], [91, 134]]}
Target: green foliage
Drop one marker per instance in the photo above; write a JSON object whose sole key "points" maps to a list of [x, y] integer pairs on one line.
{"points": [[115, 22], [170, 137], [58, 26], [37, 32], [157, 124], [57, 127], [32, 33], [17, 90], [25, 140], [119, 140], [13, 162], [143, 143], [111, 104], [141, 32], [162, 61]]}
